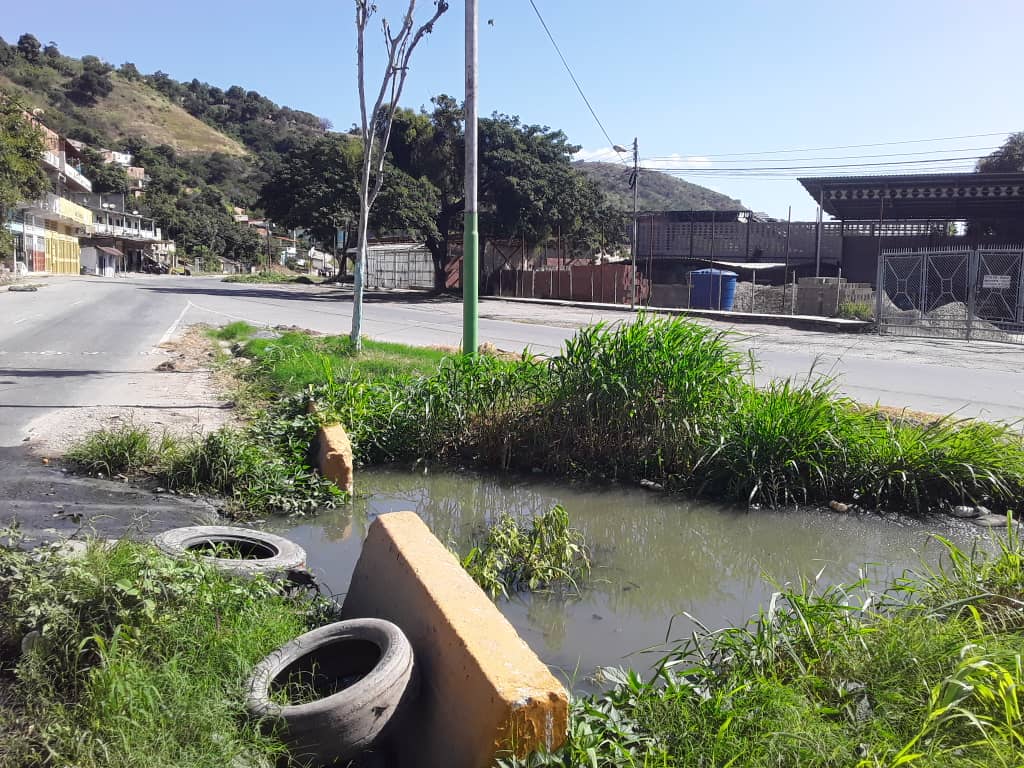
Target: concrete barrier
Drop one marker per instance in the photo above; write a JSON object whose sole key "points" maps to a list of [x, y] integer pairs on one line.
{"points": [[333, 452], [483, 691]]}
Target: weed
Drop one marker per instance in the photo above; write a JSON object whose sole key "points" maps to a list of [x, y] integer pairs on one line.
{"points": [[235, 331], [141, 660], [856, 310], [125, 449], [514, 557]]}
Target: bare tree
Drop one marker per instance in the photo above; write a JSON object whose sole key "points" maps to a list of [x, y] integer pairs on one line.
{"points": [[376, 122]]}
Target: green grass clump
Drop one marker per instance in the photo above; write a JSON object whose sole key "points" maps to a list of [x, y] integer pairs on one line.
{"points": [[661, 399], [927, 674], [262, 467], [125, 449], [515, 557], [269, 277], [141, 661], [236, 331], [856, 310]]}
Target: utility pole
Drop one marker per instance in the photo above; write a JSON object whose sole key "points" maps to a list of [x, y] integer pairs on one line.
{"points": [[635, 183], [470, 249]]}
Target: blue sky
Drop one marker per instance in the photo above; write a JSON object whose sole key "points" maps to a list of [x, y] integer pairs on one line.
{"points": [[698, 83]]}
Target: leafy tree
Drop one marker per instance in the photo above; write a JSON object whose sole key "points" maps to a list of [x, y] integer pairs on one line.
{"points": [[21, 172], [94, 82], [1008, 158], [105, 177], [28, 47], [129, 71]]}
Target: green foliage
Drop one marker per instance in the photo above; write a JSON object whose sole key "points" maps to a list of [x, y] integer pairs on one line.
{"points": [[262, 277], [141, 660], [105, 177], [659, 399], [93, 83], [926, 674], [856, 310], [235, 331], [514, 557], [21, 173], [262, 468], [28, 47], [125, 449]]}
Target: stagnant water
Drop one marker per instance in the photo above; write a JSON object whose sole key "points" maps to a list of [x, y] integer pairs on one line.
{"points": [[655, 556]]}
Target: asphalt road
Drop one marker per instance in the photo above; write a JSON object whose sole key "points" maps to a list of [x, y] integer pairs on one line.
{"points": [[86, 341]]}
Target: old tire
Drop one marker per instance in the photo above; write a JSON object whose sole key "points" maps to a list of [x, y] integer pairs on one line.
{"points": [[342, 723], [244, 552]]}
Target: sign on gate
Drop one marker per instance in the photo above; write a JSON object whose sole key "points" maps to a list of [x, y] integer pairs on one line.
{"points": [[1000, 282]]}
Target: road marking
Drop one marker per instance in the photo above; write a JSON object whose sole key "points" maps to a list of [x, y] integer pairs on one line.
{"points": [[169, 334], [201, 308]]}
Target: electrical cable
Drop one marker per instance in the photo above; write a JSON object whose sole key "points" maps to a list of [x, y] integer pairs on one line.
{"points": [[574, 80], [853, 146]]}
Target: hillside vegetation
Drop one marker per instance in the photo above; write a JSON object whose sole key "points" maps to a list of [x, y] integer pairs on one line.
{"points": [[133, 110], [657, 192]]}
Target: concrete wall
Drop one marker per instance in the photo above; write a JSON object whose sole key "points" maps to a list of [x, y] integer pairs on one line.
{"points": [[482, 690]]}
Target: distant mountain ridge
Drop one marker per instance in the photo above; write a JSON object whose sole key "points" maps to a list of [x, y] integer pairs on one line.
{"points": [[657, 192]]}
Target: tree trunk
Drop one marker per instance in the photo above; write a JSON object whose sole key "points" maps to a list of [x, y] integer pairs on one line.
{"points": [[360, 261]]}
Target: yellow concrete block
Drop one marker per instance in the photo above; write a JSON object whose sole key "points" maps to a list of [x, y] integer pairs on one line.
{"points": [[483, 692], [334, 456]]}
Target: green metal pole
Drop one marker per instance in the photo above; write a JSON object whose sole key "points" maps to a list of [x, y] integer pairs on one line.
{"points": [[471, 235]]}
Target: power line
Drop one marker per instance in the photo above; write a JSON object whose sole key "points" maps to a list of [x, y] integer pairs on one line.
{"points": [[852, 146], [824, 167], [834, 157], [574, 80]]}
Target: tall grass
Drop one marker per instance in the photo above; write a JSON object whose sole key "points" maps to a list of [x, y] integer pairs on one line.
{"points": [[926, 674], [660, 399], [141, 660]]}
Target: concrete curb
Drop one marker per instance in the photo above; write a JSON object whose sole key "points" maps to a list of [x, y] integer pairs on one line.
{"points": [[483, 692], [798, 322]]}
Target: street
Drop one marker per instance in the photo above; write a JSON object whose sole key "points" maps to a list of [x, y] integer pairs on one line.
{"points": [[82, 341]]}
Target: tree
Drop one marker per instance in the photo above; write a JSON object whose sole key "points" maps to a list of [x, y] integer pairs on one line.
{"points": [[93, 83], [1009, 158], [105, 177], [28, 47], [129, 71], [375, 121], [51, 51], [21, 172]]}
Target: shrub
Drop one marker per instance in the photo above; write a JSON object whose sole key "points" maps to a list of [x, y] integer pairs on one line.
{"points": [[125, 449]]}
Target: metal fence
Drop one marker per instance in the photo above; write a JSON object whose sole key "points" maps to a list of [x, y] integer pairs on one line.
{"points": [[953, 293], [399, 267]]}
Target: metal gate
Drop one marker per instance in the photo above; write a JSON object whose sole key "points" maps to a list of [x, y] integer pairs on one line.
{"points": [[953, 293]]}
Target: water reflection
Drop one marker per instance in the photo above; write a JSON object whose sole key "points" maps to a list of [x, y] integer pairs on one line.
{"points": [[655, 556]]}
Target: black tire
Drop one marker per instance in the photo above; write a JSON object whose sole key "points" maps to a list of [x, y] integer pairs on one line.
{"points": [[258, 552], [341, 724]]}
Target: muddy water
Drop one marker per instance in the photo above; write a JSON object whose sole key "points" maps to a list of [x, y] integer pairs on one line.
{"points": [[655, 556]]}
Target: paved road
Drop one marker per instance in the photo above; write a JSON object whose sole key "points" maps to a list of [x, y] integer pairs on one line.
{"points": [[88, 341]]}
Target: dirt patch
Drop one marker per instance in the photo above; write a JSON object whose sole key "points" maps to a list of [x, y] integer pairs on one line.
{"points": [[184, 393]]}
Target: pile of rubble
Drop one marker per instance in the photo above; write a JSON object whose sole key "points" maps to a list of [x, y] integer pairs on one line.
{"points": [[948, 321]]}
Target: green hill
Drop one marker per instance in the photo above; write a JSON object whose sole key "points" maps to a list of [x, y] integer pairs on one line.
{"points": [[658, 191], [132, 110]]}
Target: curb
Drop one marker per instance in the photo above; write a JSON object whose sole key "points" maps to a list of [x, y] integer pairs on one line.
{"points": [[798, 322]]}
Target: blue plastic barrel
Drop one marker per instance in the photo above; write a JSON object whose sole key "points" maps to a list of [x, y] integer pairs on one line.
{"points": [[712, 289]]}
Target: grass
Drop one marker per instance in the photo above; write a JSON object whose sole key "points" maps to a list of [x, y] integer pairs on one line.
{"points": [[141, 660], [515, 557], [271, 277], [662, 399], [260, 468], [856, 310], [927, 674]]}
